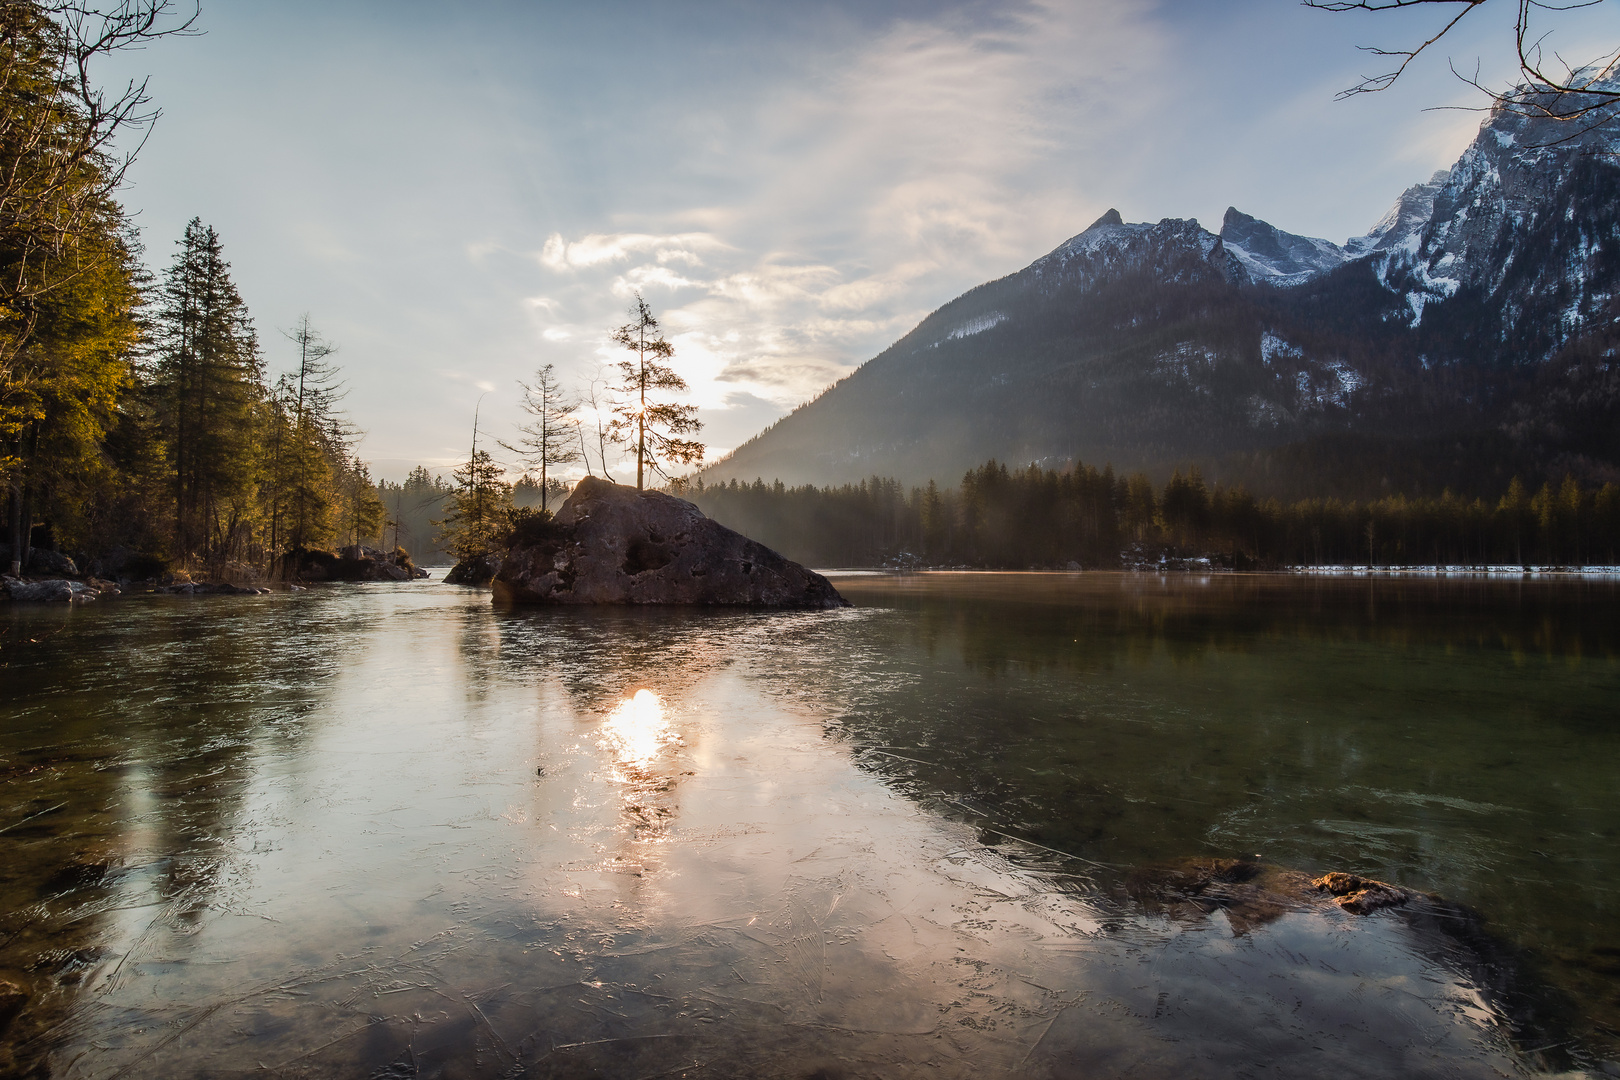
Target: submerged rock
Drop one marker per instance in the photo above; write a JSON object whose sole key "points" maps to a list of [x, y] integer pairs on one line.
{"points": [[206, 588], [12, 1000], [1362, 896], [615, 545], [1251, 893], [104, 588]]}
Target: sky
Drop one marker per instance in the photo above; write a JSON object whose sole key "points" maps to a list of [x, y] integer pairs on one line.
{"points": [[457, 194]]}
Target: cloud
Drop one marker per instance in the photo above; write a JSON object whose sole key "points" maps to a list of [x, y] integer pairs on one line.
{"points": [[792, 186], [783, 371], [598, 248], [641, 278], [899, 174]]}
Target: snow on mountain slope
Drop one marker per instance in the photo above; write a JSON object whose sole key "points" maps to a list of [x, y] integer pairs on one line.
{"points": [[1274, 256], [1175, 250], [1521, 219], [1404, 220]]}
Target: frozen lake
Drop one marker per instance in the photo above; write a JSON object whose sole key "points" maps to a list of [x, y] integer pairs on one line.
{"points": [[392, 831]]}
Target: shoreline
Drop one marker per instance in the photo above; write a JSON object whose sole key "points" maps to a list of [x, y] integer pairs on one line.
{"points": [[1501, 572]]}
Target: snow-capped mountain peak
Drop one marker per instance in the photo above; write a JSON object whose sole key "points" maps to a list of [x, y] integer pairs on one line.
{"points": [[1173, 249], [1281, 258]]}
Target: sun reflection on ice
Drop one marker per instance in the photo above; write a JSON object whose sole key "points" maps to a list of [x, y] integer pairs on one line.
{"points": [[635, 735], [637, 730]]}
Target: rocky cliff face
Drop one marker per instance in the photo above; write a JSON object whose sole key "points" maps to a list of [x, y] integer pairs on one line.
{"points": [[616, 545], [1175, 250], [1267, 254], [1528, 223]]}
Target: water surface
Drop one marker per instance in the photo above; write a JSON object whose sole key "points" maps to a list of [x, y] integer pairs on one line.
{"points": [[391, 830]]}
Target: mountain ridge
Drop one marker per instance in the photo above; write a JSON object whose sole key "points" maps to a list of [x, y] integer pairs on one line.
{"points": [[1471, 323]]}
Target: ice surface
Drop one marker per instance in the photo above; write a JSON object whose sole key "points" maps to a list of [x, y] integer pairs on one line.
{"points": [[392, 832]]}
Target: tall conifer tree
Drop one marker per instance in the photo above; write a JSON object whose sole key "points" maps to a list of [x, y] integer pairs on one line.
{"points": [[651, 427], [207, 377], [315, 449], [548, 439]]}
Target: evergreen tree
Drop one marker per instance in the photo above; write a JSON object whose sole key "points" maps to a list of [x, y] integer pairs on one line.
{"points": [[413, 507], [316, 442], [650, 427], [67, 384], [207, 380], [480, 509], [1139, 507], [549, 438], [480, 505], [362, 510], [1516, 515], [58, 170], [1184, 509], [66, 266]]}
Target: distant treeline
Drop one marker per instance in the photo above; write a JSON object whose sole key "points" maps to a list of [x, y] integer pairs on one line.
{"points": [[416, 509], [1033, 517]]}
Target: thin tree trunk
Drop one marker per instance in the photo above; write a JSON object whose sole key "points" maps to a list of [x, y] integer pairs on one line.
{"points": [[27, 544], [16, 527]]}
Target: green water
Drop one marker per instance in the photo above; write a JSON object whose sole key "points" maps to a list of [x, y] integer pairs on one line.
{"points": [[392, 830], [1460, 736]]}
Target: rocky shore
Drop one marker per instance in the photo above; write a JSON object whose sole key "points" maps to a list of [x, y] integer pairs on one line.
{"points": [[54, 577]]}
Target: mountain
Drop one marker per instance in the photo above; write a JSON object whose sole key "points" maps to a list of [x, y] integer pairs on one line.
{"points": [[1468, 336], [1278, 258]]}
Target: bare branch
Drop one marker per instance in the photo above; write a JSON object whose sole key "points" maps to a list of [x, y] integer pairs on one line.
{"points": [[1575, 93], [1374, 83]]}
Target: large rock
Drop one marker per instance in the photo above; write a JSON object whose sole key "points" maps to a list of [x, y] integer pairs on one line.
{"points": [[616, 545], [41, 561], [478, 570], [354, 563]]}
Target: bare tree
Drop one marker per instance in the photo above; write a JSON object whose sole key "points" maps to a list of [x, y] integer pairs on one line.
{"points": [[1551, 89], [595, 394], [650, 427], [547, 439]]}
